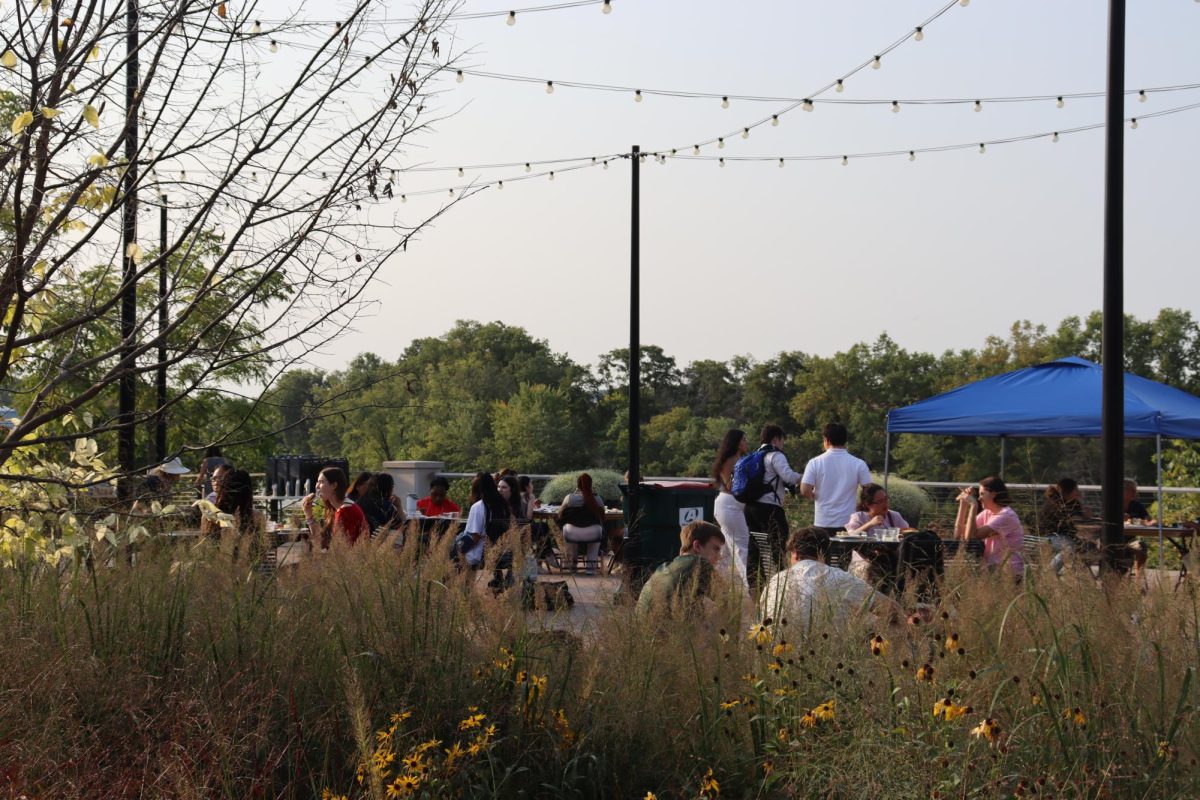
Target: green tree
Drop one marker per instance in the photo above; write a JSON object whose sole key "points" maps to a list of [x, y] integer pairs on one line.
{"points": [[536, 430]]}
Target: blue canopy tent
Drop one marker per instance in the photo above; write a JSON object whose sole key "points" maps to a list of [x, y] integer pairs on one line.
{"points": [[1057, 399]]}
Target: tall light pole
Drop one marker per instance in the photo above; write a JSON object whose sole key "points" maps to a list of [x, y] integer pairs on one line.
{"points": [[635, 344], [127, 404], [160, 416]]}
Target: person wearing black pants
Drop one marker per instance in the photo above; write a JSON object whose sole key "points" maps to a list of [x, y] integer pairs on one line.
{"points": [[766, 514]]}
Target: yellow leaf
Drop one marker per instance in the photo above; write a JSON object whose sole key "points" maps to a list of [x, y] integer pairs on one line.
{"points": [[50, 113], [134, 251], [221, 10], [45, 5], [21, 122], [94, 55], [92, 116], [96, 159], [9, 59], [70, 88], [67, 22]]}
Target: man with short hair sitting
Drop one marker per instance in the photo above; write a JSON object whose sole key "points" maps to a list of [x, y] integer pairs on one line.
{"points": [[688, 578], [811, 590]]}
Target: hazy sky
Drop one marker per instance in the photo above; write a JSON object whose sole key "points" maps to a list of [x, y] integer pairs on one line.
{"points": [[755, 259]]}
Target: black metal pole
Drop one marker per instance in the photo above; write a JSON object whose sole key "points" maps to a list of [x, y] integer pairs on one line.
{"points": [[160, 417], [127, 404], [1112, 336], [635, 344]]}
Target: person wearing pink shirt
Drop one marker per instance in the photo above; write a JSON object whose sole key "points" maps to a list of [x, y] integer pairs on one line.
{"points": [[985, 512]]}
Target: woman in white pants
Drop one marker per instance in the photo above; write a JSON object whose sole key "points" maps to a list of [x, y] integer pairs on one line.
{"points": [[581, 518], [729, 512]]}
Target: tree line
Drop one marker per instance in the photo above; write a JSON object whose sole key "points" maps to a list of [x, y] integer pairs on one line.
{"points": [[488, 395]]}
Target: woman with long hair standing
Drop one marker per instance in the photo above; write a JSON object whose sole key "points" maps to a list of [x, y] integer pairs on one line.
{"points": [[235, 496], [730, 514], [488, 516], [343, 518], [510, 490]]}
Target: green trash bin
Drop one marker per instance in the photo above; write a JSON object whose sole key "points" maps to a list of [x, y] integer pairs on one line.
{"points": [[663, 509]]}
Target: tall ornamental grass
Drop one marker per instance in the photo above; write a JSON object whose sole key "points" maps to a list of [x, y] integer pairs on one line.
{"points": [[377, 673]]}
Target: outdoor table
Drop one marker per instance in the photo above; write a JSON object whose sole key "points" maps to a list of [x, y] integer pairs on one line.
{"points": [[842, 545], [1180, 537], [549, 512]]}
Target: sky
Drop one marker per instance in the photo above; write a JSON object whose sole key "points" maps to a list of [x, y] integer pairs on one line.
{"points": [[939, 252]]}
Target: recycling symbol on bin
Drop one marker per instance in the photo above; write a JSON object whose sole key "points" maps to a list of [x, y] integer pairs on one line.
{"points": [[687, 515]]}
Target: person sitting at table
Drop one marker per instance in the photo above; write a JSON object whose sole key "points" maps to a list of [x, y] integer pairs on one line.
{"points": [[529, 500], [208, 470], [235, 496], [581, 518], [873, 513], [358, 485], [1135, 512], [437, 502], [681, 585], [1132, 553], [1062, 507], [378, 505], [510, 490], [487, 519], [343, 518], [810, 590], [218, 474], [996, 524]]}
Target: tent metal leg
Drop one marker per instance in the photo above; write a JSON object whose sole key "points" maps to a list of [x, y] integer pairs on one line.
{"points": [[1158, 468], [887, 457]]}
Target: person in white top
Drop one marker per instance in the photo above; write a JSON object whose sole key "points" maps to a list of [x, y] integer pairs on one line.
{"points": [[730, 514], [831, 480], [766, 514], [810, 591]]}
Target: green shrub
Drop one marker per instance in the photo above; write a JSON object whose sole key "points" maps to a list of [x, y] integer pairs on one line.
{"points": [[605, 482], [906, 498]]}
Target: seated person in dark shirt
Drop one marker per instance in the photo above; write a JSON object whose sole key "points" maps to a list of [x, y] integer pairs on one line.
{"points": [[1133, 552], [437, 503], [1061, 509], [680, 585]]}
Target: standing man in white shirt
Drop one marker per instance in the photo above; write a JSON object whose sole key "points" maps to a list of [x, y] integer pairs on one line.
{"points": [[766, 513], [831, 480]]}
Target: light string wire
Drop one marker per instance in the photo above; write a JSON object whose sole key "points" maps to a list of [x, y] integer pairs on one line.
{"points": [[455, 190], [461, 15]]}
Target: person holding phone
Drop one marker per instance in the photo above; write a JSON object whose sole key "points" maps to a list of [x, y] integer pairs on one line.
{"points": [[985, 512]]}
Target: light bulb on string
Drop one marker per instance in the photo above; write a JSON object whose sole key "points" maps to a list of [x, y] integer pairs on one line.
{"points": [[1142, 93], [876, 63], [1054, 137], [452, 193], [527, 167], [274, 47], [637, 96], [978, 106], [1059, 103], [460, 172], [549, 87], [500, 185], [552, 175], [1133, 124], [840, 86], [982, 148], [183, 174], [918, 35], [775, 120], [256, 28], [781, 163], [845, 160], [720, 143], [722, 162], [724, 102], [912, 155], [459, 77], [695, 149], [607, 7], [895, 106], [642, 158], [512, 18], [964, 3], [673, 151], [807, 104], [606, 165], [745, 133], [403, 198]]}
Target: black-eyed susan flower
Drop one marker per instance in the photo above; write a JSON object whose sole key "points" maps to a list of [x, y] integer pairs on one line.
{"points": [[988, 729], [1075, 715], [879, 646], [809, 720], [400, 716], [768, 767], [1035, 699], [709, 785], [650, 796], [781, 649], [1165, 751], [471, 722], [925, 672], [760, 633], [952, 641], [729, 705], [824, 711], [775, 665]]}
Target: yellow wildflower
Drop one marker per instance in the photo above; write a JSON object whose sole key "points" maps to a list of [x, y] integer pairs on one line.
{"points": [[416, 763], [522, 676], [405, 785], [454, 753], [1035, 699], [474, 749], [471, 722], [925, 673], [988, 729], [650, 796], [730, 704], [768, 767], [760, 633], [952, 641], [781, 649], [1165, 751], [879, 646], [784, 734], [382, 736], [538, 682], [506, 659], [775, 666], [1075, 715], [749, 677], [487, 734], [328, 795], [709, 785], [431, 744], [808, 720], [400, 716], [954, 711], [939, 708], [824, 711]]}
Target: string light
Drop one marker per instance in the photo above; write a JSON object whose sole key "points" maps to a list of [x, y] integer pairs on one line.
{"points": [[551, 176], [606, 165], [459, 77], [876, 63], [775, 120], [964, 3], [607, 7], [256, 28], [512, 18], [274, 48], [982, 148], [500, 185], [403, 198], [722, 161], [745, 133], [1059, 103], [724, 102], [845, 161], [781, 163], [1142, 93], [918, 35], [978, 106], [452, 193], [1133, 123], [696, 149], [840, 86], [720, 142], [912, 156], [460, 172], [549, 87], [1054, 138], [807, 105], [637, 96], [895, 107]]}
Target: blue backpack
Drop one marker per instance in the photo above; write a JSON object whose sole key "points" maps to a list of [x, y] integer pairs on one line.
{"points": [[750, 476]]}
